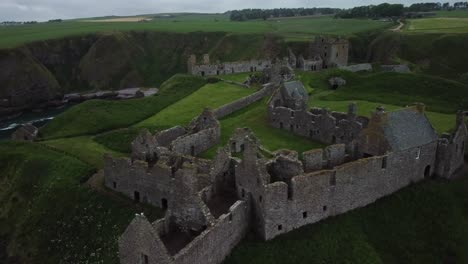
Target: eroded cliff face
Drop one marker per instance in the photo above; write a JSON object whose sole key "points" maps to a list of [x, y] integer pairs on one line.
{"points": [[43, 71]]}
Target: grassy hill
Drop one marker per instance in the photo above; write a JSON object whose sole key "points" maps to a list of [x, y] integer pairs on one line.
{"points": [[47, 215], [440, 95], [96, 116], [292, 28]]}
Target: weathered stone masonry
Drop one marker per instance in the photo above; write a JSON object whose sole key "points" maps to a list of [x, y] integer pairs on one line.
{"points": [[275, 196], [287, 110], [324, 53], [212, 204]]}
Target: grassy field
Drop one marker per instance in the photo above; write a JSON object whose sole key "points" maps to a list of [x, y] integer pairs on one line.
{"points": [[425, 223], [456, 13], [255, 118], [49, 216], [438, 25], [97, 116], [291, 28], [439, 95], [181, 113], [83, 147]]}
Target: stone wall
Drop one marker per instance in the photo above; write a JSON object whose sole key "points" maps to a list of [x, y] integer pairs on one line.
{"points": [[165, 137], [217, 242], [451, 149], [207, 69], [197, 143], [139, 181], [318, 195], [230, 108], [318, 124]]}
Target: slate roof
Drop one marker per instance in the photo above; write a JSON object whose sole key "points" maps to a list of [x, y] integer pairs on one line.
{"points": [[295, 89], [407, 129]]}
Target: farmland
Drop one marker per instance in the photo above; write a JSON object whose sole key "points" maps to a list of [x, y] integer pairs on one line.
{"points": [[291, 28]]}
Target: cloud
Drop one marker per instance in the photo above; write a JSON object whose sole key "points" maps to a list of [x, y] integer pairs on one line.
{"points": [[25, 10]]}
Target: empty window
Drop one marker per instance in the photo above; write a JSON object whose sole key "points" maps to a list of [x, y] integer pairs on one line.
{"points": [[291, 127], [243, 193], [281, 125], [384, 163], [230, 217], [325, 208], [136, 196], [280, 227], [418, 153], [192, 150], [304, 214], [144, 259], [115, 185], [333, 179], [260, 198], [292, 113], [164, 203]]}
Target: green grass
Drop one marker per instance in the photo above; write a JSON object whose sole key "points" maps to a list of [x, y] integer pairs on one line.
{"points": [[291, 28], [83, 147], [255, 118], [237, 77], [438, 25], [118, 140], [425, 223], [456, 13], [393, 91], [181, 113], [97, 116], [439, 95], [47, 215]]}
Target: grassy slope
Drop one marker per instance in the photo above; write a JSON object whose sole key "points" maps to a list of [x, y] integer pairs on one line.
{"points": [[255, 117], [48, 216], [438, 25], [181, 113], [97, 116], [440, 95], [425, 223], [292, 28], [83, 147]]}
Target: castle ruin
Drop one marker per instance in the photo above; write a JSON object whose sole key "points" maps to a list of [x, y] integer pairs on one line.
{"points": [[324, 53], [211, 204]]}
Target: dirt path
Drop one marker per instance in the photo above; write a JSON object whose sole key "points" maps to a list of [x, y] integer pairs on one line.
{"points": [[399, 27]]}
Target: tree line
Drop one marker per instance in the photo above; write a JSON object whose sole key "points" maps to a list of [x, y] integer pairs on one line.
{"points": [[397, 10], [370, 11], [250, 14]]}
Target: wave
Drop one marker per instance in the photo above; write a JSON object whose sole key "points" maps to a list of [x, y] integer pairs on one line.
{"points": [[16, 125]]}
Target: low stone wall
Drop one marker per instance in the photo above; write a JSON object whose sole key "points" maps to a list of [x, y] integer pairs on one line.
{"points": [[230, 108], [229, 67], [357, 67]]}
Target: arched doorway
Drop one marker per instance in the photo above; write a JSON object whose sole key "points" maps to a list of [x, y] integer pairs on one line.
{"points": [[164, 203], [427, 172]]}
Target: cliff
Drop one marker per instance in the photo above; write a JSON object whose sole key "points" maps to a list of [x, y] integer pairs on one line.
{"points": [[43, 71]]}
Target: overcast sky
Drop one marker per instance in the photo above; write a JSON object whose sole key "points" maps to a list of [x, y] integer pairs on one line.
{"points": [[21, 10]]}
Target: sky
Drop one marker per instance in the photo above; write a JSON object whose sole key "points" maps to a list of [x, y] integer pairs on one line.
{"points": [[41, 10]]}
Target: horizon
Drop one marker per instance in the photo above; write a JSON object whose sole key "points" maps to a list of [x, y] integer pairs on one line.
{"points": [[28, 10]]}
